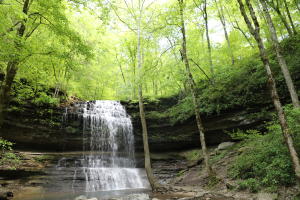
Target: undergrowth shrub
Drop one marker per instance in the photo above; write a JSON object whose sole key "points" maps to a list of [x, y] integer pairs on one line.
{"points": [[265, 161], [44, 99], [8, 159]]}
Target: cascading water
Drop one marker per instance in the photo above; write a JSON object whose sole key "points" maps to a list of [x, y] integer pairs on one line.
{"points": [[108, 160]]}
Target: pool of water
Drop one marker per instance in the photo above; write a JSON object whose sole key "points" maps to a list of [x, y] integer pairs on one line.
{"points": [[41, 193], [63, 181]]}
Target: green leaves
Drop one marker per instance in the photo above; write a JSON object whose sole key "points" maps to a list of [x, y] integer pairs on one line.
{"points": [[264, 161], [5, 145], [88, 48]]}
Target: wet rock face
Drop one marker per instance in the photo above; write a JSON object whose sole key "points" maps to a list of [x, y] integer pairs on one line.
{"points": [[164, 136], [42, 128]]}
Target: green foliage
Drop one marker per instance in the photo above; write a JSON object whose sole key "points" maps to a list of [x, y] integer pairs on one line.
{"points": [[252, 184], [192, 155], [44, 99], [218, 156], [27, 92], [244, 135], [10, 161], [265, 161], [181, 173], [44, 158], [182, 111], [23, 93], [7, 158], [89, 51], [5, 145], [241, 87]]}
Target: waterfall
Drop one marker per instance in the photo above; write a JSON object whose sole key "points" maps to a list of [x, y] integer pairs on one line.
{"points": [[108, 159]]}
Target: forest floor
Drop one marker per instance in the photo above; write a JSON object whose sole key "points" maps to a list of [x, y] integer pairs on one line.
{"points": [[180, 173], [188, 180]]}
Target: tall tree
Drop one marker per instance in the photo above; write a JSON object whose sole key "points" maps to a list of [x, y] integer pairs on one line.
{"points": [[235, 24], [209, 49], [289, 16], [24, 44], [254, 29], [137, 16], [223, 22], [276, 5], [12, 65], [297, 3], [192, 87], [280, 58], [148, 167]]}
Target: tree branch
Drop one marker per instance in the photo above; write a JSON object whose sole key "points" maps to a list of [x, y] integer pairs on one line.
{"points": [[201, 69], [31, 54], [128, 26], [11, 28]]}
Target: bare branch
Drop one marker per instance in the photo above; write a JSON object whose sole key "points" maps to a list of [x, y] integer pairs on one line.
{"points": [[31, 54], [128, 26], [130, 11], [201, 69]]}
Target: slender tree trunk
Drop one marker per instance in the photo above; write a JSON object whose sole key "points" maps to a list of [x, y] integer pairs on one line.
{"points": [[121, 70], [148, 167], [286, 24], [134, 82], [205, 16], [297, 3], [236, 26], [281, 16], [255, 31], [223, 22], [12, 67], [289, 16], [120, 66], [280, 58], [191, 84]]}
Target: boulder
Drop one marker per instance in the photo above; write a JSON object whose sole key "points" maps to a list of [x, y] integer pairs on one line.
{"points": [[6, 196], [81, 197], [267, 196], [225, 145], [141, 196]]}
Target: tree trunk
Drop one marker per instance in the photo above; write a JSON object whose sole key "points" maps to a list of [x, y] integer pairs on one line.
{"points": [[148, 167], [208, 39], [12, 67], [297, 3], [191, 84], [286, 24], [280, 58], [282, 18], [223, 22], [289, 16], [255, 31]]}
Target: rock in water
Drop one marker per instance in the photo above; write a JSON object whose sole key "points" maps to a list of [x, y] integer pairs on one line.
{"points": [[141, 196], [81, 197], [138, 197]]}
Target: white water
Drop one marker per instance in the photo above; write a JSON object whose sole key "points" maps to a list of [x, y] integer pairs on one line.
{"points": [[108, 161]]}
